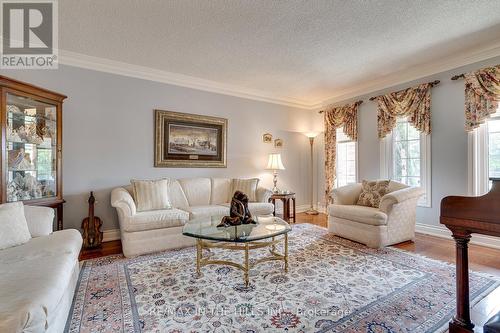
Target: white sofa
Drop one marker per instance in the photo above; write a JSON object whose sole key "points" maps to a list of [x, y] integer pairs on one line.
{"points": [[38, 278], [393, 222], [151, 231]]}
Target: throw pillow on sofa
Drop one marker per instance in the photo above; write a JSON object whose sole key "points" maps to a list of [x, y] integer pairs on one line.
{"points": [[13, 225], [372, 192], [151, 194], [247, 186]]}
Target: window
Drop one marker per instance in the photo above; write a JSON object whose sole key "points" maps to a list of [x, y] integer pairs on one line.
{"points": [[405, 158], [346, 160], [484, 155], [406, 152], [494, 146]]}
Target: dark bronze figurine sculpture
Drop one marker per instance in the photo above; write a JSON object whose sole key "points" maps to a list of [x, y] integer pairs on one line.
{"points": [[239, 212]]}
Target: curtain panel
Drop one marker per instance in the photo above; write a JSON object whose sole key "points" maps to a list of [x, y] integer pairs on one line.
{"points": [[345, 116], [414, 103], [482, 95]]}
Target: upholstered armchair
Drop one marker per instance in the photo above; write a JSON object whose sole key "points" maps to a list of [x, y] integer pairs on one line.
{"points": [[393, 222]]}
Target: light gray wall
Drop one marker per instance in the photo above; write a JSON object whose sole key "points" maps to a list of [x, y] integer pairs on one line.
{"points": [[448, 139], [108, 135]]}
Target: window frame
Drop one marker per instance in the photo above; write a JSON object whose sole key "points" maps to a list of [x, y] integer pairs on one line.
{"points": [[478, 158], [356, 164], [387, 164]]}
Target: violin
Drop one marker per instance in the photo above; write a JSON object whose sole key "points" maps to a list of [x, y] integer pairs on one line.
{"points": [[91, 225]]}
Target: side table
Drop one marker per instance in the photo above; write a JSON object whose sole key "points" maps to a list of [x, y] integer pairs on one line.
{"points": [[288, 199]]}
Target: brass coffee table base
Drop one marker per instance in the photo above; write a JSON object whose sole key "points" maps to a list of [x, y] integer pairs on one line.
{"points": [[245, 267]]}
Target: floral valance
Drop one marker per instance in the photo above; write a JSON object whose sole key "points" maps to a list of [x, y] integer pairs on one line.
{"points": [[345, 116], [414, 103], [482, 94]]}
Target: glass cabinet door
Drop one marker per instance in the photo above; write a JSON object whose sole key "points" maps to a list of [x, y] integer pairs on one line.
{"points": [[31, 148]]}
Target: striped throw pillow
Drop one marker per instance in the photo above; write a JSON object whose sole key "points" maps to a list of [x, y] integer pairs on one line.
{"points": [[151, 194], [247, 186]]}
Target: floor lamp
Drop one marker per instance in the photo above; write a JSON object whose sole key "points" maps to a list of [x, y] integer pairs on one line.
{"points": [[311, 210]]}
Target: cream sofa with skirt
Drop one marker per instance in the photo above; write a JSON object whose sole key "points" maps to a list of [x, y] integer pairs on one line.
{"points": [[393, 222], [157, 230], [38, 278]]}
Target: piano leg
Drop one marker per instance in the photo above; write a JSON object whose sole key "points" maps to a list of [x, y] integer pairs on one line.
{"points": [[461, 322]]}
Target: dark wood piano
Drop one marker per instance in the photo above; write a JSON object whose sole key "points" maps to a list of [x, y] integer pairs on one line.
{"points": [[464, 216]]}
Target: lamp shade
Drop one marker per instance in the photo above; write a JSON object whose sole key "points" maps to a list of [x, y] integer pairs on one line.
{"points": [[311, 134], [274, 162]]}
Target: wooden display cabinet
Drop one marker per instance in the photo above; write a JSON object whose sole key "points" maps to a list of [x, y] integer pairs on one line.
{"points": [[31, 163]]}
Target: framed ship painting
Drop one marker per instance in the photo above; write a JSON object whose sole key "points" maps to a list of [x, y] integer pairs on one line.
{"points": [[184, 140]]}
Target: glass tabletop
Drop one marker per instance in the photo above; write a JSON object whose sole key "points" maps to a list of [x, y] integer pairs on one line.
{"points": [[206, 228]]}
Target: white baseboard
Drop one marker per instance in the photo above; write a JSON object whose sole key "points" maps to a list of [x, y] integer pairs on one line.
{"points": [[443, 232], [322, 209], [110, 235], [304, 208]]}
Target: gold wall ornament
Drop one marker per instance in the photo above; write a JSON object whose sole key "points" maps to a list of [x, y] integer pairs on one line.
{"points": [[278, 143], [184, 140], [267, 138]]}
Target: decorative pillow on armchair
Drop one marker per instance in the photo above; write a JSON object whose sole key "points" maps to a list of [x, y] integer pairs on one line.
{"points": [[372, 192]]}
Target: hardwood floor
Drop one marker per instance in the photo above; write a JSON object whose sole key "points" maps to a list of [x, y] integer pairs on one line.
{"points": [[108, 248], [481, 259]]}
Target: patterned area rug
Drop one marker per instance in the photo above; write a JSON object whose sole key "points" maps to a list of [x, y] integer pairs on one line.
{"points": [[333, 285]]}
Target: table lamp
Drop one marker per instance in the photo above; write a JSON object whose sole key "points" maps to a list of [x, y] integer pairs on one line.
{"points": [[274, 163]]}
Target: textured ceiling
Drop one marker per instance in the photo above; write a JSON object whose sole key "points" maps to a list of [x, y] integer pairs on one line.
{"points": [[306, 50]]}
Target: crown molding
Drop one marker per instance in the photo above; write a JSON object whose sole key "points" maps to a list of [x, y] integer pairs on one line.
{"points": [[147, 73], [468, 57]]}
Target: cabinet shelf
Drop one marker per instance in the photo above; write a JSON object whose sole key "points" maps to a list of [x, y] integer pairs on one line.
{"points": [[37, 145], [17, 116]]}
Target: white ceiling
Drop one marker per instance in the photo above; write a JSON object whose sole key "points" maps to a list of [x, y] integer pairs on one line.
{"points": [[303, 51]]}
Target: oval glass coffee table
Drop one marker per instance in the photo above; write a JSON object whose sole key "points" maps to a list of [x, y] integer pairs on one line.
{"points": [[266, 232]]}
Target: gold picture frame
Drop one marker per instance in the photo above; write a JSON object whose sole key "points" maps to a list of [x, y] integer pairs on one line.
{"points": [[184, 140]]}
